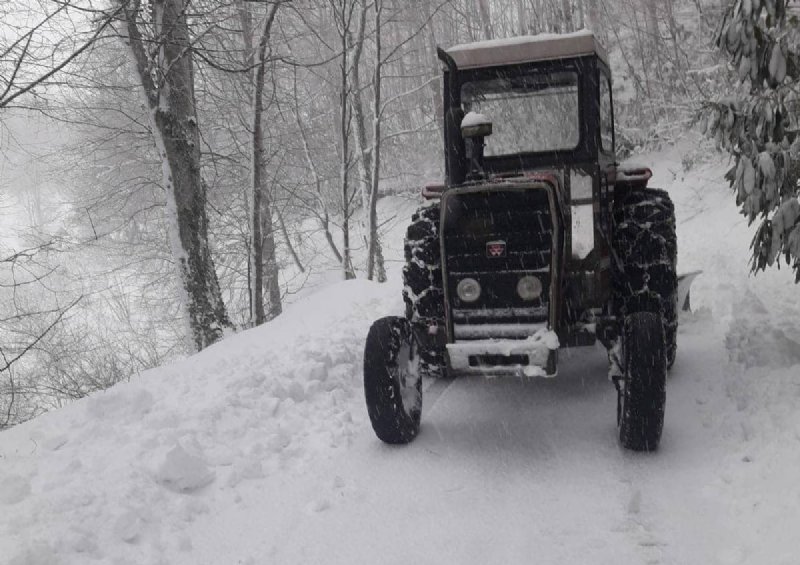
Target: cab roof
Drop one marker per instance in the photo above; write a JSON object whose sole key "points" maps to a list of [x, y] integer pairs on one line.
{"points": [[526, 49]]}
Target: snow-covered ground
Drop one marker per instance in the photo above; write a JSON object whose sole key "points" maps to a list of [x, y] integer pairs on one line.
{"points": [[259, 450]]}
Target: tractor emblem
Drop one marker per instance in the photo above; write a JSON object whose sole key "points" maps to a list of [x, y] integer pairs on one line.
{"points": [[495, 249]]}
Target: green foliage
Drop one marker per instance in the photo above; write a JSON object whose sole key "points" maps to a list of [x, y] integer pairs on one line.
{"points": [[759, 125]]}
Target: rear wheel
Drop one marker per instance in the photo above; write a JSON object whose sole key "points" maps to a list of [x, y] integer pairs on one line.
{"points": [[423, 292], [642, 390], [645, 256], [392, 383]]}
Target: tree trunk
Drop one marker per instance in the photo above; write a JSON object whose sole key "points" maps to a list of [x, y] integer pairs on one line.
{"points": [[486, 19], [375, 266], [642, 46], [365, 159], [322, 209], [680, 64], [263, 265], [653, 35], [566, 16], [431, 59], [593, 20], [269, 261], [168, 85], [369, 162], [581, 15], [288, 241], [344, 141], [521, 18]]}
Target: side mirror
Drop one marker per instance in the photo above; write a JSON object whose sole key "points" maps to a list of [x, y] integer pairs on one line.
{"points": [[475, 125]]}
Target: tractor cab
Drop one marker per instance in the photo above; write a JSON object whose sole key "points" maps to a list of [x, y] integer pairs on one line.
{"points": [[539, 110], [548, 98]]}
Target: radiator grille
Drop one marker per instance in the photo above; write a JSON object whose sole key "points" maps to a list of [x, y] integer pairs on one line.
{"points": [[521, 219]]}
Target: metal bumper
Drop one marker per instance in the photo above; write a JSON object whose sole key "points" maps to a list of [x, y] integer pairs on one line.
{"points": [[534, 356]]}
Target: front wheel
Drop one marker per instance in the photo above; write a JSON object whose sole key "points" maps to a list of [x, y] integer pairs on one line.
{"points": [[392, 382], [642, 390]]}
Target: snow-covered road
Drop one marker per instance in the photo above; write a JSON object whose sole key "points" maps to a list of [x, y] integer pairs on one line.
{"points": [[259, 450], [512, 471]]}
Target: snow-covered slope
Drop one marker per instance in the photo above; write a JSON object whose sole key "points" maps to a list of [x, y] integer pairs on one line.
{"points": [[259, 451]]}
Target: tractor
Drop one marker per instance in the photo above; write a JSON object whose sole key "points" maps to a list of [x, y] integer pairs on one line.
{"points": [[537, 240]]}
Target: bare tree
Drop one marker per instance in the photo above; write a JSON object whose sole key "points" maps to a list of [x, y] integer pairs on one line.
{"points": [[29, 312], [369, 155], [164, 65], [319, 209], [42, 50], [262, 234], [486, 19], [343, 12], [36, 48]]}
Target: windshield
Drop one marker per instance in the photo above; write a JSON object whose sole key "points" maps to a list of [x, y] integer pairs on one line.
{"points": [[529, 113]]}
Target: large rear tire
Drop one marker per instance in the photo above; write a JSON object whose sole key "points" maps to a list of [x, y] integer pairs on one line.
{"points": [[423, 291], [392, 383], [642, 390], [645, 246]]}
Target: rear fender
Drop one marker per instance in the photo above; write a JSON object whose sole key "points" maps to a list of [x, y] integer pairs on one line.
{"points": [[633, 177], [433, 191]]}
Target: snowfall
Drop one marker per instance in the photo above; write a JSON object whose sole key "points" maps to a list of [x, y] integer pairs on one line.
{"points": [[259, 449]]}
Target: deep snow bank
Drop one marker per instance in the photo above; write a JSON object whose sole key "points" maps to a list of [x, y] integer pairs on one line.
{"points": [[114, 476]]}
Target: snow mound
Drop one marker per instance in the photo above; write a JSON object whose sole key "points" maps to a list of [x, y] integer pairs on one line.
{"points": [[113, 477], [182, 472], [759, 338], [129, 401]]}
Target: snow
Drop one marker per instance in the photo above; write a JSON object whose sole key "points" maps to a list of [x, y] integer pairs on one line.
{"points": [[473, 331], [259, 449], [537, 347], [183, 472], [474, 119], [519, 40], [14, 489]]}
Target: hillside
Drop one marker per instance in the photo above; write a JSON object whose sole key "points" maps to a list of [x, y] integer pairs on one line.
{"points": [[259, 451]]}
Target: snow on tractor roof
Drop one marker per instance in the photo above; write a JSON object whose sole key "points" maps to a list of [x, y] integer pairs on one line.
{"points": [[526, 49]]}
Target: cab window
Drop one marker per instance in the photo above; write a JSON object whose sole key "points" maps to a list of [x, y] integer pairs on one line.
{"points": [[606, 117]]}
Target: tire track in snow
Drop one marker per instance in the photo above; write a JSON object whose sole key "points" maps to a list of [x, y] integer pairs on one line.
{"points": [[433, 391]]}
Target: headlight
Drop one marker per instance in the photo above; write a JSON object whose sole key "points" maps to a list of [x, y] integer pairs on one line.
{"points": [[529, 288], [469, 290]]}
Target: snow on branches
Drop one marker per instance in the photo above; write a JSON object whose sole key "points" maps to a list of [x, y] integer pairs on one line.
{"points": [[759, 125]]}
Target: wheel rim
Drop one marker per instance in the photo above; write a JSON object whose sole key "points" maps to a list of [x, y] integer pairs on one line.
{"points": [[407, 378]]}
